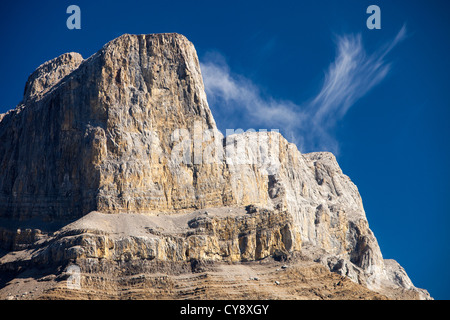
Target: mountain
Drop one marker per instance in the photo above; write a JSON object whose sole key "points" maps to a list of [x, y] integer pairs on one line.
{"points": [[116, 183]]}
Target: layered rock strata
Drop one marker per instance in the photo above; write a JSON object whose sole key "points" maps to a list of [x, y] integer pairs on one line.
{"points": [[128, 133]]}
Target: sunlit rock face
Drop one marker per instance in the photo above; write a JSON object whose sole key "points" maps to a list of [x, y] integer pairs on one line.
{"points": [[128, 134]]}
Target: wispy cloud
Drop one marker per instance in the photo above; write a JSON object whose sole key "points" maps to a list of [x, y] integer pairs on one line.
{"points": [[351, 75], [237, 93]]}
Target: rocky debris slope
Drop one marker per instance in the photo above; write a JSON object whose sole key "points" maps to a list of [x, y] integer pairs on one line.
{"points": [[219, 253], [219, 234], [127, 136], [264, 279]]}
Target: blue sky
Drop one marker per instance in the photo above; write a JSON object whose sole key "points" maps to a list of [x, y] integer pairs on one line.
{"points": [[379, 99]]}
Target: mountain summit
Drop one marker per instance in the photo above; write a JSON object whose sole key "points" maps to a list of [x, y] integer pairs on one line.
{"points": [[113, 166]]}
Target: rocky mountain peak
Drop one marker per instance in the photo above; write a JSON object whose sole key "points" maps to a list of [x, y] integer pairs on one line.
{"points": [[50, 73], [122, 150]]}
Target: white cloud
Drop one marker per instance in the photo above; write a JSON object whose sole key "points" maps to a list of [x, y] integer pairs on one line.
{"points": [[351, 75], [236, 92]]}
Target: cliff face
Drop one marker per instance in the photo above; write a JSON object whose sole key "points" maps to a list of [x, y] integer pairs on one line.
{"points": [[93, 134], [127, 136]]}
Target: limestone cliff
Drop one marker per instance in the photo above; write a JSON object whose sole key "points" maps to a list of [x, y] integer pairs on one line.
{"points": [[117, 160]]}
